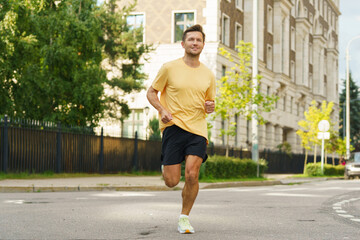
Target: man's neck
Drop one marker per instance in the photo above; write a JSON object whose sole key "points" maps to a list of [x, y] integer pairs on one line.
{"points": [[191, 61]]}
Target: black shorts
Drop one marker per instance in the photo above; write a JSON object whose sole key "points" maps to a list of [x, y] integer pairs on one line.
{"points": [[178, 143]]}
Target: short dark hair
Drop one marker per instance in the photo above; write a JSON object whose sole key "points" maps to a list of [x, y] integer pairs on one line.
{"points": [[194, 28]]}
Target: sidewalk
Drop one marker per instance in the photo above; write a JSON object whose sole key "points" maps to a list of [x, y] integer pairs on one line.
{"points": [[122, 183]]}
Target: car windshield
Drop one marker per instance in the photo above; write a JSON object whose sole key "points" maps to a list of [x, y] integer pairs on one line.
{"points": [[357, 157]]}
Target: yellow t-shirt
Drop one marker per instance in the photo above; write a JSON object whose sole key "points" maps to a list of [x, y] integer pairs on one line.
{"points": [[184, 91]]}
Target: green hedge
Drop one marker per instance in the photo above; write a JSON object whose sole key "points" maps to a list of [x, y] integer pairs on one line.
{"points": [[228, 167], [314, 169]]}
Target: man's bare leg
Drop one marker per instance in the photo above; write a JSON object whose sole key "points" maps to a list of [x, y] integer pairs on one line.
{"points": [[191, 188], [172, 174]]}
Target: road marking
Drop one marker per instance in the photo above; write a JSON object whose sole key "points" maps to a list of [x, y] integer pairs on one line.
{"points": [[15, 201], [355, 220], [337, 208], [292, 195], [123, 194], [346, 215], [341, 211]]}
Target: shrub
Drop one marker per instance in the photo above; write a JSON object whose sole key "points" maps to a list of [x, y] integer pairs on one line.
{"points": [[227, 167], [314, 169]]}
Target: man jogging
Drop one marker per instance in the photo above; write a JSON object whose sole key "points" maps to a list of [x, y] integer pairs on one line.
{"points": [[187, 94]]}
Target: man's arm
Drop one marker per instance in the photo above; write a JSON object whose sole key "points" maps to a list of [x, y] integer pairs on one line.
{"points": [[154, 100]]}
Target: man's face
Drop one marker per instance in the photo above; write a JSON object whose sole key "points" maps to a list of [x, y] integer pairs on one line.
{"points": [[193, 43]]}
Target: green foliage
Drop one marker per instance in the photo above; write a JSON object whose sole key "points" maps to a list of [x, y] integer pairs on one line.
{"points": [[123, 50], [51, 67], [51, 56], [226, 167], [354, 112], [284, 147], [154, 129], [314, 169], [236, 94]]}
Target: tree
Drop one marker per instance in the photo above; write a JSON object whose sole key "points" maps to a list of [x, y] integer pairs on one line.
{"points": [[51, 56], [309, 127], [354, 112], [236, 94], [52, 65], [154, 129], [123, 50]]}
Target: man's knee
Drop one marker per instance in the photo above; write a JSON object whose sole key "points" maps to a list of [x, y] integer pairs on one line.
{"points": [[192, 176], [171, 182]]}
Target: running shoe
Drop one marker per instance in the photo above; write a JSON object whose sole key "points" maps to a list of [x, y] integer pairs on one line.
{"points": [[184, 226]]}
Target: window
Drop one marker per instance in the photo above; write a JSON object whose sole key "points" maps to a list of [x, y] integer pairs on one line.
{"points": [[292, 71], [223, 70], [182, 22], [135, 23], [291, 104], [225, 30], [298, 109], [134, 123], [248, 131], [284, 105], [305, 12], [292, 38], [269, 57], [270, 19], [238, 31], [310, 81], [239, 4], [310, 53], [268, 90], [325, 86]]}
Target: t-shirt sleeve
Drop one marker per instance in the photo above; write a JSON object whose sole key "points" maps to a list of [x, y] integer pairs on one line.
{"points": [[211, 92], [161, 79]]}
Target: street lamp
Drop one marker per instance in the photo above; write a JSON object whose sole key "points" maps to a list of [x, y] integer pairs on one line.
{"points": [[348, 98], [254, 125]]}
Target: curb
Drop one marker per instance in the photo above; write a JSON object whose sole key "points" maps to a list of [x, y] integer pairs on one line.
{"points": [[85, 189], [9, 189]]}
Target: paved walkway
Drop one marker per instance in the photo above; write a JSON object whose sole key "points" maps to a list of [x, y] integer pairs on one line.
{"points": [[122, 183]]}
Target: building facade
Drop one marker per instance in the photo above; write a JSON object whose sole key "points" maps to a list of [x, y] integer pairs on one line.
{"points": [[297, 50]]}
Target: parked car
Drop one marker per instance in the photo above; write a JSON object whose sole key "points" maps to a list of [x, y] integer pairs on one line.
{"points": [[352, 168]]}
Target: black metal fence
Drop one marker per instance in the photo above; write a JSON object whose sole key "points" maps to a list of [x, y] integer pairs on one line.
{"points": [[32, 146]]}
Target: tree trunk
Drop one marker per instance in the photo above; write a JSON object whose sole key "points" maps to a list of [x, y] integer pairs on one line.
{"points": [[333, 159], [227, 138], [315, 153], [305, 162]]}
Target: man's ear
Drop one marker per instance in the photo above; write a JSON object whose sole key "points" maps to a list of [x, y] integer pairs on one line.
{"points": [[182, 44]]}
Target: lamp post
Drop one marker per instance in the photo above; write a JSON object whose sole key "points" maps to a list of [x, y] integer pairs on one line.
{"points": [[254, 124], [348, 98]]}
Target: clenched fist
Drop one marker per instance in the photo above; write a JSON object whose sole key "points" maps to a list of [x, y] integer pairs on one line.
{"points": [[209, 106]]}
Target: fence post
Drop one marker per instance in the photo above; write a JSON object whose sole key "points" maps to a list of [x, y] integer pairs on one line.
{"points": [[101, 157], [135, 159], [58, 149], [5, 145]]}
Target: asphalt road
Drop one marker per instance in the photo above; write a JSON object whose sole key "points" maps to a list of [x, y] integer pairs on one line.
{"points": [[317, 210]]}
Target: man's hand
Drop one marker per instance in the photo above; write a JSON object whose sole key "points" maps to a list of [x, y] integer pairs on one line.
{"points": [[165, 116], [209, 106]]}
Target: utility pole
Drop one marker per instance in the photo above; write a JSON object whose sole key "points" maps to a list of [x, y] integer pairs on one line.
{"points": [[254, 125]]}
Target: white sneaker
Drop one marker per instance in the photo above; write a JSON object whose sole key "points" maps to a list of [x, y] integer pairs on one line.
{"points": [[184, 226]]}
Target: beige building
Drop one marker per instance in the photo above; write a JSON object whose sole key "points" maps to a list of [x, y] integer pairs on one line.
{"points": [[298, 56]]}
